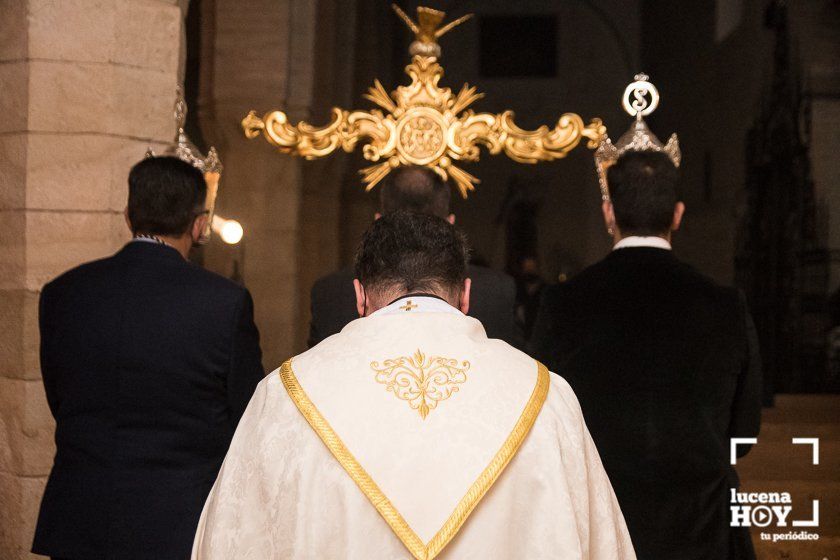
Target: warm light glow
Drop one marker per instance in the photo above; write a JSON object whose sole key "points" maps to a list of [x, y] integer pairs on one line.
{"points": [[230, 231]]}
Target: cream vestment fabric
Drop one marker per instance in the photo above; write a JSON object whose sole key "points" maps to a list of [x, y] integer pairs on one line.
{"points": [[410, 434]]}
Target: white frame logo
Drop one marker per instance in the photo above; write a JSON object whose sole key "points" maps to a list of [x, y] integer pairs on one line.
{"points": [[762, 509]]}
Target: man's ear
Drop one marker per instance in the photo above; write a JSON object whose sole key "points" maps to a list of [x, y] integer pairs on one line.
{"points": [[451, 219], [679, 210], [198, 227], [609, 215], [360, 297], [377, 216], [464, 304]]}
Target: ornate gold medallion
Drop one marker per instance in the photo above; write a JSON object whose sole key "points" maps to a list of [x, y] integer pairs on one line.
{"points": [[421, 136], [421, 382]]}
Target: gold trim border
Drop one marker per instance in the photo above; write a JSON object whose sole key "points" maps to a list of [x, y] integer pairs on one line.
{"points": [[375, 495]]}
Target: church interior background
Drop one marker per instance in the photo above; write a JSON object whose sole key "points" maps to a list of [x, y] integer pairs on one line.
{"points": [[752, 87]]}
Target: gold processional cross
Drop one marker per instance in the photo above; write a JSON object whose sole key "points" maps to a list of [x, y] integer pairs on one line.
{"points": [[425, 125]]}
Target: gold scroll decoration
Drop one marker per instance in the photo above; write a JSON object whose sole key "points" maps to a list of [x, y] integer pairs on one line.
{"points": [[422, 382], [424, 124]]}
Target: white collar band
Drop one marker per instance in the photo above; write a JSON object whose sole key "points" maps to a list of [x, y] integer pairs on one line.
{"points": [[416, 304], [643, 241]]}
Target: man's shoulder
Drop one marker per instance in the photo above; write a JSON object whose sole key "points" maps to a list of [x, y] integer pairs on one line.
{"points": [[561, 415], [334, 280], [593, 275], [333, 299], [491, 274], [109, 272], [553, 295], [614, 269], [196, 278], [704, 285], [82, 273], [271, 402], [438, 328], [497, 376], [588, 281], [213, 281], [483, 276]]}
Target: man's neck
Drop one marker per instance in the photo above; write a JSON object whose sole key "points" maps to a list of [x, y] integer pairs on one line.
{"points": [[416, 302], [382, 303], [182, 243]]}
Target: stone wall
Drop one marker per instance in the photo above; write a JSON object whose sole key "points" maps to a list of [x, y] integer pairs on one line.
{"points": [[252, 48], [87, 86], [295, 56]]}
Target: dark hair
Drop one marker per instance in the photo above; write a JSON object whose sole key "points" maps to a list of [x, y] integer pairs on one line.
{"points": [[411, 252], [415, 189], [165, 195], [643, 190]]}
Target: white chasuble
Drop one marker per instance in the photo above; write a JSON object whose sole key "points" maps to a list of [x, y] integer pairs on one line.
{"points": [[410, 434]]}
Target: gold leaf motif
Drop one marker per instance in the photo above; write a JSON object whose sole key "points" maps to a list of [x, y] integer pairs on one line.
{"points": [[421, 382]]}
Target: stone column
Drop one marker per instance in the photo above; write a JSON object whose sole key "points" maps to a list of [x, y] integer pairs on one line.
{"points": [[87, 86]]}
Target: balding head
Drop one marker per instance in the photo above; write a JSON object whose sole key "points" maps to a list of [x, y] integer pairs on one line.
{"points": [[415, 189]]}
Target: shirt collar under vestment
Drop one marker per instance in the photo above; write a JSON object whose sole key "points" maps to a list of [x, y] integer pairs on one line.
{"points": [[643, 241], [416, 303]]}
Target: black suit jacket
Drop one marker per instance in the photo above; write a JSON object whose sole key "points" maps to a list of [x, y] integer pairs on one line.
{"points": [[148, 362], [492, 301], [665, 365]]}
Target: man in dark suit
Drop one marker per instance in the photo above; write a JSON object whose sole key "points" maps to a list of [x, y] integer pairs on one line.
{"points": [[148, 362], [665, 365], [421, 190]]}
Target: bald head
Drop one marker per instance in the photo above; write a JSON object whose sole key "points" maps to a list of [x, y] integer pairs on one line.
{"points": [[415, 189]]}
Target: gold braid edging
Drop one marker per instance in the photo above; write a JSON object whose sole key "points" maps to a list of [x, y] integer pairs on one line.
{"points": [[375, 495]]}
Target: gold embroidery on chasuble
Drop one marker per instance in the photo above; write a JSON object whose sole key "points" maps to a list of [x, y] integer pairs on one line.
{"points": [[420, 381], [398, 524]]}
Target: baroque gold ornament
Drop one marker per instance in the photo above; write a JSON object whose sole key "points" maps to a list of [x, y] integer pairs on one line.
{"points": [[424, 124], [640, 99], [422, 382]]}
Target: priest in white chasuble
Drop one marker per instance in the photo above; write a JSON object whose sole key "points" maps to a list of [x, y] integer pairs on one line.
{"points": [[410, 434]]}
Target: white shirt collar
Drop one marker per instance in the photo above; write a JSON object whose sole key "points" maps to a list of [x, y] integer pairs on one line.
{"points": [[416, 304], [146, 240], [640, 241]]}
